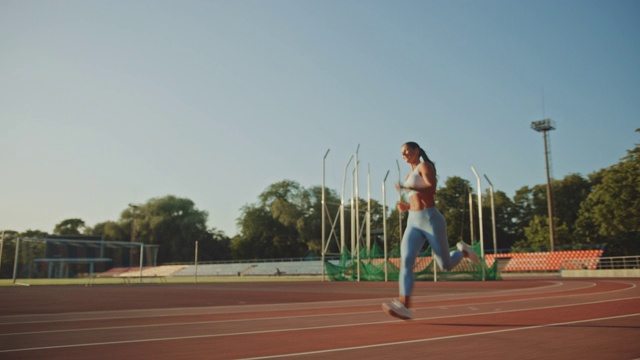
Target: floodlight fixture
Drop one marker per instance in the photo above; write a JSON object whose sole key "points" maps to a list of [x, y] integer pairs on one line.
{"points": [[543, 125]]}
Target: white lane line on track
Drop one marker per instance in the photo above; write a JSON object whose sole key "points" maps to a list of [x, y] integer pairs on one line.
{"points": [[438, 338], [308, 328], [143, 313], [471, 306], [173, 312], [468, 306]]}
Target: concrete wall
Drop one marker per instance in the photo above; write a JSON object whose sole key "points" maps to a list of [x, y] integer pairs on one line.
{"points": [[601, 273]]}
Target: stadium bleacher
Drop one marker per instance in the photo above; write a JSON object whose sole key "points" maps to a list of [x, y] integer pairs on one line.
{"points": [[514, 263], [548, 261], [255, 269]]}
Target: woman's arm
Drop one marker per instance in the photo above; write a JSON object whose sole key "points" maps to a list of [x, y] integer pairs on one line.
{"points": [[403, 206]]}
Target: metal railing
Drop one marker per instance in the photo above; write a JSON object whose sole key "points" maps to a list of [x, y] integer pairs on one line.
{"points": [[619, 262]]}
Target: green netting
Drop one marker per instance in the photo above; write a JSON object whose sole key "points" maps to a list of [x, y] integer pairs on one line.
{"points": [[372, 267]]}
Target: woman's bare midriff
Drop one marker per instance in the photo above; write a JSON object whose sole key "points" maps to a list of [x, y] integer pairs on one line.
{"points": [[421, 201]]}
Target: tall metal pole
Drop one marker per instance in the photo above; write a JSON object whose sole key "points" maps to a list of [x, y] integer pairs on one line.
{"points": [[473, 236], [342, 220], [323, 212], [480, 220], [543, 126], [1, 248], [355, 249], [15, 261], [141, 260], [357, 182], [368, 219], [133, 231], [384, 226], [549, 195], [353, 215], [399, 200], [195, 263], [493, 217]]}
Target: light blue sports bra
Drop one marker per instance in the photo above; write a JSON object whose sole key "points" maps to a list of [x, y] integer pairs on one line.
{"points": [[413, 180]]}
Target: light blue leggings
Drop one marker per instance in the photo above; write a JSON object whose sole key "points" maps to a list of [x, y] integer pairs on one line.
{"points": [[428, 224]]}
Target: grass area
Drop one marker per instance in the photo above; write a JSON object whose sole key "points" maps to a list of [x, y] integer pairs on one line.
{"points": [[157, 280]]}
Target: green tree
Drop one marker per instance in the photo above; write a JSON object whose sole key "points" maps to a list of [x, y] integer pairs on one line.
{"points": [[531, 207], [453, 203], [70, 227], [275, 227], [523, 212], [568, 194], [9, 238], [537, 235], [314, 223], [289, 204], [287, 222], [214, 246], [506, 213], [263, 236], [112, 230], [396, 224], [611, 212], [37, 234], [171, 222]]}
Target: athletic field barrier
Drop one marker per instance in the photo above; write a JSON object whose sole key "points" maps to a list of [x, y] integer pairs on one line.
{"points": [[372, 267]]}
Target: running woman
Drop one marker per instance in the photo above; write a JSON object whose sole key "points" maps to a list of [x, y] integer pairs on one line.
{"points": [[425, 222]]}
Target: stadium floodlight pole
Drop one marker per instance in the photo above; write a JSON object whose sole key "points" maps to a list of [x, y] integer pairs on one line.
{"points": [[493, 217], [544, 126], [384, 226], [323, 215], [480, 220]]}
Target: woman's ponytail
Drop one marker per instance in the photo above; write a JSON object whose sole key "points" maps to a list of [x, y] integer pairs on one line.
{"points": [[426, 158]]}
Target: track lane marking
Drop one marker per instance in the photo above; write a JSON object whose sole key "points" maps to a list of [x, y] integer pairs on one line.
{"points": [[304, 306], [438, 338], [316, 328]]}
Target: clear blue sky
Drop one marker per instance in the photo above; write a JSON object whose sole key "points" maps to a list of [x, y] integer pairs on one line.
{"points": [[106, 103]]}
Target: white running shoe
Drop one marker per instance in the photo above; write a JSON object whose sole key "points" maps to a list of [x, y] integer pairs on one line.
{"points": [[396, 309], [473, 257]]}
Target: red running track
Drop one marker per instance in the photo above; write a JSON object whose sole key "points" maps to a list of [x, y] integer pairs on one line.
{"points": [[549, 318]]}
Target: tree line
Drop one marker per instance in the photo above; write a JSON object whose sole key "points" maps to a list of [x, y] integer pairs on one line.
{"points": [[602, 209]]}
